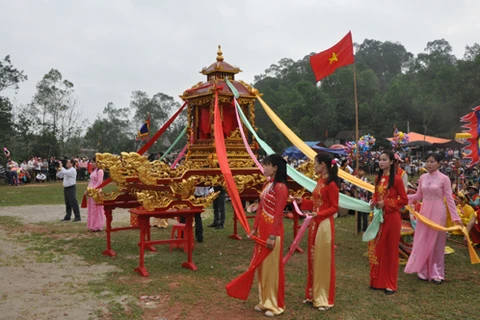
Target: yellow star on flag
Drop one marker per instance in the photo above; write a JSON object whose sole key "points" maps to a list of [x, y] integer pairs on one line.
{"points": [[333, 58]]}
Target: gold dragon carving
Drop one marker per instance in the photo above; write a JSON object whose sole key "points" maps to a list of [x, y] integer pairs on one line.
{"points": [[307, 169], [113, 164], [99, 197]]}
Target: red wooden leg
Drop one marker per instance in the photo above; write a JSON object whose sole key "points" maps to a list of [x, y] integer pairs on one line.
{"points": [[108, 217], [143, 222], [149, 247], [188, 242], [235, 235]]}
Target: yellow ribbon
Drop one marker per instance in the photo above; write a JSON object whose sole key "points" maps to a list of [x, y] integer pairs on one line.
{"points": [[310, 153], [473, 254], [306, 150]]}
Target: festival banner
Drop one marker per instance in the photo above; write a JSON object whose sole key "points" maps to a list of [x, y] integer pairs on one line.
{"points": [[472, 127], [144, 131]]}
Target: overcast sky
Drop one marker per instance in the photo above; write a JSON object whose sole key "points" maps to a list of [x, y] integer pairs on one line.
{"points": [[108, 48]]}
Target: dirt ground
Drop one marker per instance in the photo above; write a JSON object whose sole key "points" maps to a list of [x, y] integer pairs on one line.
{"points": [[33, 290]]}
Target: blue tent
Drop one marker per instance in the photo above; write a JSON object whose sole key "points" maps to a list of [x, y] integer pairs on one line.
{"points": [[293, 152]]}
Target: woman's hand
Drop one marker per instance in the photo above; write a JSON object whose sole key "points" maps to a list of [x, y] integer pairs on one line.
{"points": [[372, 205], [459, 223], [270, 243], [313, 214], [380, 204], [252, 233]]}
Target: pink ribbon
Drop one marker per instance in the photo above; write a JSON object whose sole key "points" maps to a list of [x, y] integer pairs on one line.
{"points": [[300, 234], [180, 156], [245, 141]]}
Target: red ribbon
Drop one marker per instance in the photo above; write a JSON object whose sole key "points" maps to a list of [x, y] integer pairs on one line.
{"points": [[225, 168]]}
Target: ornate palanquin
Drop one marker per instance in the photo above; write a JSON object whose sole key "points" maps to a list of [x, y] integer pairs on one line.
{"points": [[153, 189]]}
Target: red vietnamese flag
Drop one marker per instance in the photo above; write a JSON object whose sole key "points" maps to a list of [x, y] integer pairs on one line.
{"points": [[340, 55]]}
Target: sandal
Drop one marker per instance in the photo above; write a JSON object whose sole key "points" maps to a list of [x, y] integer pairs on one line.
{"points": [[437, 281], [258, 309], [389, 292], [324, 308]]}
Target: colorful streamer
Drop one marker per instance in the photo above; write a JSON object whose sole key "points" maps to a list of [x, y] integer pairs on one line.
{"points": [[179, 157], [354, 180], [306, 222], [184, 131], [474, 259], [374, 226], [309, 184], [227, 173], [303, 147]]}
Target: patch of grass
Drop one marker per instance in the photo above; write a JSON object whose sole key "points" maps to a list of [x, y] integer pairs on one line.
{"points": [[46, 249], [184, 293], [37, 194], [9, 222], [124, 312]]}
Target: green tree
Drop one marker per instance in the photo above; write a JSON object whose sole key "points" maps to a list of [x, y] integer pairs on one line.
{"points": [[387, 59], [111, 132], [59, 110], [26, 123], [10, 77], [158, 107]]}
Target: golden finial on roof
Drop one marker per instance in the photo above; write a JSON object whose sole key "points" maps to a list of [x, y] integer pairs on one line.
{"points": [[219, 54]]}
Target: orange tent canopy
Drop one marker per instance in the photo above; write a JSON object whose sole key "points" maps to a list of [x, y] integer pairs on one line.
{"points": [[413, 136]]}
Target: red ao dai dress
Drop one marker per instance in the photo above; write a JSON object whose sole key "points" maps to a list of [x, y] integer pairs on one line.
{"points": [[320, 288], [383, 250]]}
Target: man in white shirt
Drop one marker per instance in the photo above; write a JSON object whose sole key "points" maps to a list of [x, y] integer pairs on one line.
{"points": [[41, 177], [69, 176]]}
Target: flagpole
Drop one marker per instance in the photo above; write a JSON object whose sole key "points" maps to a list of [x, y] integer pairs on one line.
{"points": [[357, 165]]}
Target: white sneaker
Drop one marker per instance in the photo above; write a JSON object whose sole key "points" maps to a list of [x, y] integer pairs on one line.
{"points": [[324, 308], [269, 313], [258, 309]]}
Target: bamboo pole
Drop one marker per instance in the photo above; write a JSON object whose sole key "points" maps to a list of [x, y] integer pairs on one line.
{"points": [[357, 165]]}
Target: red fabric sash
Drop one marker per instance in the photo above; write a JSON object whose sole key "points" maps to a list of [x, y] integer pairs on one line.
{"points": [[225, 168], [240, 287]]}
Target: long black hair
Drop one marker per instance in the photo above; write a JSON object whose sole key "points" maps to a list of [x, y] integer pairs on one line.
{"points": [[436, 156], [391, 179], [94, 159], [277, 161], [323, 157]]}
